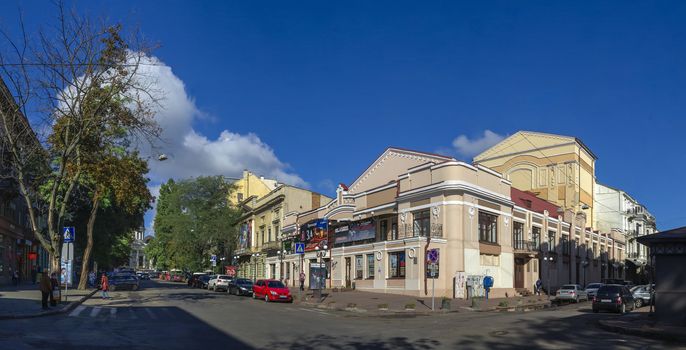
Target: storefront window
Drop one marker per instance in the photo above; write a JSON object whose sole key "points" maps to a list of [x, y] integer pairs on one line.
{"points": [[358, 267], [397, 264], [488, 227], [370, 265]]}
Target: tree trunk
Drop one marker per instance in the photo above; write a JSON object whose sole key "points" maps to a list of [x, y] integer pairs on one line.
{"points": [[83, 283]]}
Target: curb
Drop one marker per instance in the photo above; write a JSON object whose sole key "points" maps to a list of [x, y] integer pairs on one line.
{"points": [[65, 309], [667, 336], [518, 308]]}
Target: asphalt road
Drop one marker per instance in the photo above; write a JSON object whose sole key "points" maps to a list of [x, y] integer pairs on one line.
{"points": [[172, 316]]}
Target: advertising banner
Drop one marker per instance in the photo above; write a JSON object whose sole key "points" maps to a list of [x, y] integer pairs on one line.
{"points": [[356, 231], [317, 276], [314, 233], [244, 236], [66, 272]]}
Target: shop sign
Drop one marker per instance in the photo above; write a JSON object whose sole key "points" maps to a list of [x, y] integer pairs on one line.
{"points": [[356, 231]]}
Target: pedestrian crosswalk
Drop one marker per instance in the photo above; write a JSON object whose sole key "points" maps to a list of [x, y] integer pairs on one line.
{"points": [[125, 313]]}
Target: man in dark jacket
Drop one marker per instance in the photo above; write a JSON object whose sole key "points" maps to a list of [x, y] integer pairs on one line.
{"points": [[45, 289]]}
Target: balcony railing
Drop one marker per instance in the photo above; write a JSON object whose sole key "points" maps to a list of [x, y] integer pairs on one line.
{"points": [[632, 255], [526, 246], [409, 230]]}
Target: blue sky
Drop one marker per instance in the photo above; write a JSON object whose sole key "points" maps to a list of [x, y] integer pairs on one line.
{"points": [[313, 91]]}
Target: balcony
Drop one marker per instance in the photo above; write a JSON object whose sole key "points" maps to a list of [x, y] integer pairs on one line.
{"points": [[525, 247], [409, 231]]}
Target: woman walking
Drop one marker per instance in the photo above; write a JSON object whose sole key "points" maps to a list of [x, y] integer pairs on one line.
{"points": [[105, 282]]}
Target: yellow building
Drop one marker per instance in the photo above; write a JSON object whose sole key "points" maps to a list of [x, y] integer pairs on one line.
{"points": [[559, 169], [251, 185]]}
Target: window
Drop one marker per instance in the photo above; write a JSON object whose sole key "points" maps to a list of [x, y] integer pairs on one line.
{"points": [[595, 249], [421, 223], [518, 235], [576, 246], [394, 230], [551, 241], [383, 227], [269, 238], [358, 267], [370, 265], [397, 264], [564, 242], [536, 237], [239, 196], [488, 227], [262, 233]]}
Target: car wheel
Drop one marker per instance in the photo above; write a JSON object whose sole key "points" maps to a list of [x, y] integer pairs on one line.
{"points": [[639, 303], [266, 298]]}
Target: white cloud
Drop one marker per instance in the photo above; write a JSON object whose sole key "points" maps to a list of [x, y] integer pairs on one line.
{"points": [[466, 147], [193, 154]]}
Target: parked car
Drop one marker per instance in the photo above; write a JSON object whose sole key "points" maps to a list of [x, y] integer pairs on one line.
{"points": [[193, 280], [643, 294], [202, 281], [240, 286], [211, 282], [613, 297], [142, 275], [123, 281], [271, 290], [571, 292], [219, 283], [592, 288]]}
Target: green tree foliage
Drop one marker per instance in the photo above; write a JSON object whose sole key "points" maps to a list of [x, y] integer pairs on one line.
{"points": [[194, 220]]}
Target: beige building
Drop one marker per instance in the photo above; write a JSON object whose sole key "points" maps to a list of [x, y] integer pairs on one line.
{"points": [[376, 234], [559, 169], [261, 223], [251, 185]]}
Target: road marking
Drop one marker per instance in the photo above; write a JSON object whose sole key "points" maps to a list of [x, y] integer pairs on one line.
{"points": [[113, 312], [95, 311], [151, 314], [77, 311]]}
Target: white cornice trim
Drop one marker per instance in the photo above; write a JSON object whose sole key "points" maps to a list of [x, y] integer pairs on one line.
{"points": [[378, 207], [456, 185], [453, 163]]}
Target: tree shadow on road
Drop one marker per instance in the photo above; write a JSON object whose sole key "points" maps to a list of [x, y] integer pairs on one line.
{"points": [[323, 341]]}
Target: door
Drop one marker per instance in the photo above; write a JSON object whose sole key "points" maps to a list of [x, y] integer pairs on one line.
{"points": [[347, 272], [519, 273]]}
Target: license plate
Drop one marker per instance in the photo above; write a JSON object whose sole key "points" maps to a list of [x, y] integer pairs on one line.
{"points": [[605, 300], [283, 296]]}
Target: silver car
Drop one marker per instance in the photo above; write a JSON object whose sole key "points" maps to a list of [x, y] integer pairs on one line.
{"points": [[571, 292], [643, 295], [592, 289]]}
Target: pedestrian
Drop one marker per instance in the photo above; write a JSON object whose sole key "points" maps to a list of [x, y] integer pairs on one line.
{"points": [[302, 281], [55, 286], [15, 277], [538, 286], [105, 286], [45, 290]]}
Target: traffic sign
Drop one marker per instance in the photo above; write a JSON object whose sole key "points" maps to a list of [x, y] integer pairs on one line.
{"points": [[213, 258], [432, 256], [433, 268], [299, 248], [69, 234]]}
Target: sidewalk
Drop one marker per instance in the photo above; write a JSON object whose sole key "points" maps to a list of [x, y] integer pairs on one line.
{"points": [[371, 302], [24, 301], [643, 324]]}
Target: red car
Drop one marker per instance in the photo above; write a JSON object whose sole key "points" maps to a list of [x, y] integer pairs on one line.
{"points": [[271, 290]]}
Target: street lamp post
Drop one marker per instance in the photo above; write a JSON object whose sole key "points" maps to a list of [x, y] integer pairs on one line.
{"points": [[254, 273], [321, 253], [281, 254], [584, 264], [234, 262], [549, 261]]}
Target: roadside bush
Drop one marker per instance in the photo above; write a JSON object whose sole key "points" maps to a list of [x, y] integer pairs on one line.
{"points": [[410, 306], [383, 306]]}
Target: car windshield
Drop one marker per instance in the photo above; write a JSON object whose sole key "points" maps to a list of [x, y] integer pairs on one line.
{"points": [[275, 284], [594, 285], [122, 278], [609, 289], [569, 287]]}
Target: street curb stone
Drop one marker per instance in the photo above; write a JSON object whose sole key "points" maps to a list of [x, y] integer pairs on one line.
{"points": [[65, 309]]}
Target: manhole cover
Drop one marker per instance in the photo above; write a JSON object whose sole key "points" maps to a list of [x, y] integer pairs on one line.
{"points": [[498, 333]]}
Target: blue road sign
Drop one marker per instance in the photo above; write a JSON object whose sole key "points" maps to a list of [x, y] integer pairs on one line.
{"points": [[432, 256], [213, 258], [299, 248], [69, 234]]}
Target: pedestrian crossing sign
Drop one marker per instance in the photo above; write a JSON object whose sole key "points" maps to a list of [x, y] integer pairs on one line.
{"points": [[69, 233], [299, 248]]}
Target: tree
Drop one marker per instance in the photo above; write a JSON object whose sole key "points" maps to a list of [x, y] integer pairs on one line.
{"points": [[194, 220], [72, 76]]}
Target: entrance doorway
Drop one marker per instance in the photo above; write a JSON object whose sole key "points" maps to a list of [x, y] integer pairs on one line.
{"points": [[348, 284], [519, 273]]}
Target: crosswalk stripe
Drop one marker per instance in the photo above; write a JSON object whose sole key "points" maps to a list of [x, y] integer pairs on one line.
{"points": [[151, 314], [95, 311], [113, 312], [77, 311]]}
